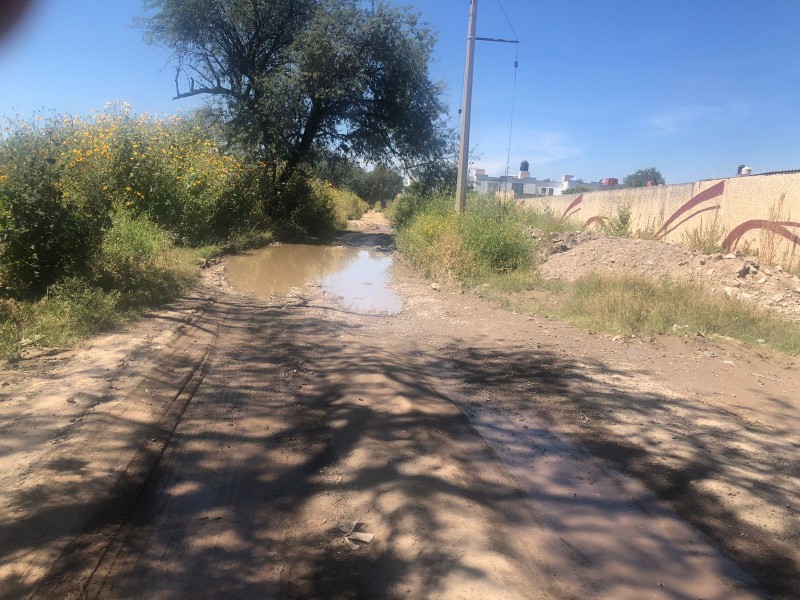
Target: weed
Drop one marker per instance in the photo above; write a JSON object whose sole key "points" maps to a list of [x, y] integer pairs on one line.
{"points": [[620, 223], [707, 237], [773, 249], [239, 242], [544, 219], [488, 238], [347, 206], [494, 237], [71, 309], [486, 248], [137, 259], [432, 244], [648, 232], [636, 305], [402, 210]]}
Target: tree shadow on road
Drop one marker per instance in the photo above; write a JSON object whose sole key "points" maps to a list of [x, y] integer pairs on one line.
{"points": [[692, 454], [307, 415]]}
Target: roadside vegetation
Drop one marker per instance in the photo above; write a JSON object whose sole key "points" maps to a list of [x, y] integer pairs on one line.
{"points": [[489, 238], [489, 249], [633, 305], [105, 216]]}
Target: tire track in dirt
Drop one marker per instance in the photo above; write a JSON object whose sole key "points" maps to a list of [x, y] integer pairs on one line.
{"points": [[308, 414], [307, 417], [182, 368]]}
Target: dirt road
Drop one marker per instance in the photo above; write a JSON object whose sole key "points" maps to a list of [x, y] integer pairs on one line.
{"points": [[216, 448]]}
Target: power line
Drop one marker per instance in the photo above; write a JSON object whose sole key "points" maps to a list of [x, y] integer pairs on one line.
{"points": [[502, 8], [513, 106]]}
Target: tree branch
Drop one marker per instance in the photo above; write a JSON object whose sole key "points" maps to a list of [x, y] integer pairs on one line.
{"points": [[204, 90]]}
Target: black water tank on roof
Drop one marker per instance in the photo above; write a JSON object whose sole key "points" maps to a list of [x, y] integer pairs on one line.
{"points": [[524, 166]]}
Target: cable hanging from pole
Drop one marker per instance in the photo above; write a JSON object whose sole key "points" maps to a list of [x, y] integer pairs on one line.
{"points": [[466, 106], [502, 8], [514, 87], [513, 106]]}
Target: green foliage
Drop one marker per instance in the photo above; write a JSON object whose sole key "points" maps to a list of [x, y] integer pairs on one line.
{"points": [[137, 259], [495, 238], [319, 208], [72, 309], [347, 206], [311, 212], [636, 305], [543, 218], [378, 186], [706, 237], [435, 178], [488, 238], [297, 77], [45, 233], [620, 222], [641, 178], [578, 189], [62, 180], [402, 210]]}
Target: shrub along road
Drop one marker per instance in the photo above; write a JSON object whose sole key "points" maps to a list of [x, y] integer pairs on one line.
{"points": [[214, 449]]}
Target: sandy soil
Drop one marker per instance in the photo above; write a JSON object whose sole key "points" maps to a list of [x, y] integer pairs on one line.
{"points": [[214, 449]]}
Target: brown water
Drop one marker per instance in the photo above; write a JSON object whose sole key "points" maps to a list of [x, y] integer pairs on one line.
{"points": [[359, 278]]}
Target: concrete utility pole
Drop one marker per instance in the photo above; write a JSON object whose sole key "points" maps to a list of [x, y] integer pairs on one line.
{"points": [[466, 110]]}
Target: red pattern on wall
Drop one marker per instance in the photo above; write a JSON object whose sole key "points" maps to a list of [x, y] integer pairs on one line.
{"points": [[692, 209], [575, 203], [600, 220], [777, 227], [669, 225]]}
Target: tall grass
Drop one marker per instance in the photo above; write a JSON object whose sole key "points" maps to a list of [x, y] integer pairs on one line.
{"points": [[636, 305], [490, 237], [544, 219], [347, 206], [136, 267], [138, 259], [706, 237], [487, 247], [402, 210]]}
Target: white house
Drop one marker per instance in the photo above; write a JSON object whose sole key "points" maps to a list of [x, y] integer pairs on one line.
{"points": [[525, 186]]}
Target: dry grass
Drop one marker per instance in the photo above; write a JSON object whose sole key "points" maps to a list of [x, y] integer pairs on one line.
{"points": [[706, 237], [636, 305], [773, 248]]}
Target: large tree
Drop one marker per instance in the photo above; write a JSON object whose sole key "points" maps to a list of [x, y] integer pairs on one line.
{"points": [[293, 78], [381, 184], [642, 177]]}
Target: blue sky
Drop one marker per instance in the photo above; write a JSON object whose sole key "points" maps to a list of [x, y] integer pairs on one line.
{"points": [[693, 88]]}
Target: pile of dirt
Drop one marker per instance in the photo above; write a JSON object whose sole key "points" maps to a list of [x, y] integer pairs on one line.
{"points": [[734, 275], [553, 243]]}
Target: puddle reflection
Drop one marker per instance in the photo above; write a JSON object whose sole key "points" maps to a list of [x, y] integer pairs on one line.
{"points": [[360, 278]]}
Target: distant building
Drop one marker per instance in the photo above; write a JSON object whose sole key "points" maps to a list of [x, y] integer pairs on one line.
{"points": [[609, 183], [525, 186]]}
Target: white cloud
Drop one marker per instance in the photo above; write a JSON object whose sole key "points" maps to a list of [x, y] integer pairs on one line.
{"points": [[680, 118]]}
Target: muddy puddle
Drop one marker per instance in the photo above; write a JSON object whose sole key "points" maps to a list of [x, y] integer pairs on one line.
{"points": [[359, 278]]}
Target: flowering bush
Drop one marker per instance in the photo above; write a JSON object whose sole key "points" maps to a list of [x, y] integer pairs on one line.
{"points": [[63, 178], [45, 233], [168, 168]]}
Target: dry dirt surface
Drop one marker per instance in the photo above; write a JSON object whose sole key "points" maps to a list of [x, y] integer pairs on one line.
{"points": [[237, 447]]}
